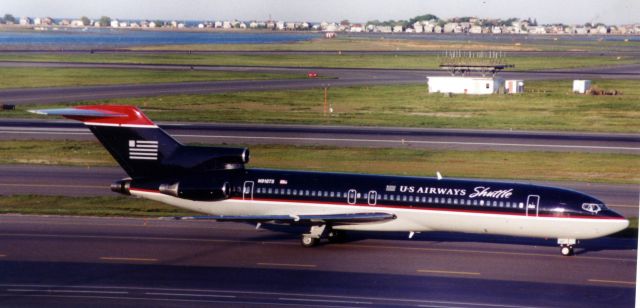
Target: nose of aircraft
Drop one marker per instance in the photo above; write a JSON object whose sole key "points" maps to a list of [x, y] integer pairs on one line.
{"points": [[615, 221]]}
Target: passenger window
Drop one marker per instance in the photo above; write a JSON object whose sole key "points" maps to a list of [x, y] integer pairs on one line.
{"points": [[521, 205], [481, 202], [448, 200], [333, 194], [411, 198], [404, 198], [430, 200]]}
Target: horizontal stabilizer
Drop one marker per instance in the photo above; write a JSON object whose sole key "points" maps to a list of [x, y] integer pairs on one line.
{"points": [[74, 112], [351, 218], [110, 115]]}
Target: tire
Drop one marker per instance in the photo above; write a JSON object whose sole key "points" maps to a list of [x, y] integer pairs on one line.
{"points": [[308, 241], [566, 251]]}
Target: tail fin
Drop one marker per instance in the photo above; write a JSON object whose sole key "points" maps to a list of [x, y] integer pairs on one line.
{"points": [[143, 149]]}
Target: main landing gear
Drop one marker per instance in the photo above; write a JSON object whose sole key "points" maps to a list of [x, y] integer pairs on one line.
{"points": [[316, 233], [566, 246]]}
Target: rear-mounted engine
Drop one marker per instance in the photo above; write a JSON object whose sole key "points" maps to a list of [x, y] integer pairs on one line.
{"points": [[197, 192]]}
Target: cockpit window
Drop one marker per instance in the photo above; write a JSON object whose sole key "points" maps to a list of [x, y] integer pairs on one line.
{"points": [[592, 207]]}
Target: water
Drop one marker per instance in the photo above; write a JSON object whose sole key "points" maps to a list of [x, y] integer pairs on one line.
{"points": [[108, 38], [104, 38]]}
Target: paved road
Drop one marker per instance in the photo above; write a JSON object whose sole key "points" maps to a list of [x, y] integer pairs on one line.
{"points": [[345, 136], [338, 77], [100, 262], [95, 181]]}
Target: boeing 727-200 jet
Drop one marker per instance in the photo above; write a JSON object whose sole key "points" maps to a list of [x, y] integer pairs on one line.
{"points": [[214, 181]]}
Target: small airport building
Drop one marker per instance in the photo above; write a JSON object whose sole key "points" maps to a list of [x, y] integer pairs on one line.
{"points": [[464, 85]]}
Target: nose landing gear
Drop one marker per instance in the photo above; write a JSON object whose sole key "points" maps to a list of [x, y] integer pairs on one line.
{"points": [[566, 246]]}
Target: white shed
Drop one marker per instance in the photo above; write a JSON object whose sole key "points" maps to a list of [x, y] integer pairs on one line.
{"points": [[464, 85], [514, 86], [581, 86]]}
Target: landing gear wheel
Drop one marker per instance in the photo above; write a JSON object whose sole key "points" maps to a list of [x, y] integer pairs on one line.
{"points": [[336, 236], [566, 250], [308, 241]]}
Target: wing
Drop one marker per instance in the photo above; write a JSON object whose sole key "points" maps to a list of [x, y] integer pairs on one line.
{"points": [[333, 219]]}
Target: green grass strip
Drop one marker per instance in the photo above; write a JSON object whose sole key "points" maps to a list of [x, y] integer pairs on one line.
{"points": [[552, 166]]}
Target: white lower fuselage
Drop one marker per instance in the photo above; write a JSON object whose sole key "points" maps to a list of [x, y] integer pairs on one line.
{"points": [[411, 220]]}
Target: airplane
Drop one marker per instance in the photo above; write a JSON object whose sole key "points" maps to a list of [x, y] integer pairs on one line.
{"points": [[215, 181]]}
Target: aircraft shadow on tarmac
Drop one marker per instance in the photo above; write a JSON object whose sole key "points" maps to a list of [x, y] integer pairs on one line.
{"points": [[593, 245]]}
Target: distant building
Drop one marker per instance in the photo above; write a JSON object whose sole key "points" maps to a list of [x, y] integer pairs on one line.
{"points": [[25, 21], [514, 86], [464, 85], [581, 86], [475, 30]]}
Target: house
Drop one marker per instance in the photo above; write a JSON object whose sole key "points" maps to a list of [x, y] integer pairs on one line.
{"points": [[537, 30], [418, 27], [450, 27], [397, 29], [114, 23], [357, 28], [496, 30], [429, 28], [77, 23], [280, 25], [25, 21], [475, 30]]}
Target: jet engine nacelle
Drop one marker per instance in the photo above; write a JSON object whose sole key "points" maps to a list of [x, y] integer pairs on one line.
{"points": [[201, 191]]}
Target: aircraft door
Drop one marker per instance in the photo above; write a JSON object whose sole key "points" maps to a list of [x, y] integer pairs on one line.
{"points": [[247, 190], [372, 198], [352, 196], [533, 202]]}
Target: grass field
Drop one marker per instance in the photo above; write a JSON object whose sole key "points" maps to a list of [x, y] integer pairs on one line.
{"points": [[582, 167], [397, 61], [548, 105], [28, 77]]}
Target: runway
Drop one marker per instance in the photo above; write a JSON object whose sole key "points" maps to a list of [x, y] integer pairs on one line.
{"points": [[75, 261], [347, 136], [95, 181], [332, 77]]}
